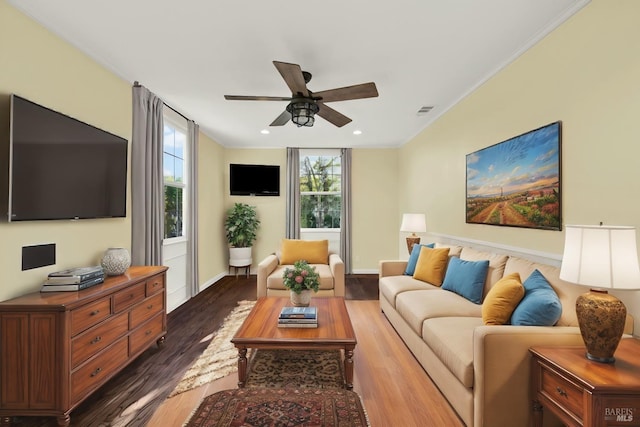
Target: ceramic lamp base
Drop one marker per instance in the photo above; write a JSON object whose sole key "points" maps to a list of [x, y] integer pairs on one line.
{"points": [[412, 240], [601, 317]]}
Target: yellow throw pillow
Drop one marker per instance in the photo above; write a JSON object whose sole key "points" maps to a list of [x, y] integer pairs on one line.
{"points": [[431, 265], [502, 299], [312, 251]]}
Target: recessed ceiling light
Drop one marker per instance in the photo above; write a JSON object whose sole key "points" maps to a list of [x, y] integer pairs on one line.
{"points": [[264, 132], [357, 132]]}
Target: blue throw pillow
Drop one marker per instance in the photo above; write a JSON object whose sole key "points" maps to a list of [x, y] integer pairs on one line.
{"points": [[413, 258], [466, 278], [540, 305]]}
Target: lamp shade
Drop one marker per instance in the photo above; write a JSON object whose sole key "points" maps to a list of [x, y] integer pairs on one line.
{"points": [[601, 257], [413, 223]]}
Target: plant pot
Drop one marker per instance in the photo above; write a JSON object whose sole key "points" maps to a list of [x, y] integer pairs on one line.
{"points": [[239, 257], [303, 299]]}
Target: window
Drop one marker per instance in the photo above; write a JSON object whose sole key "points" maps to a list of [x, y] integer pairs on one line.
{"points": [[320, 190], [174, 165]]}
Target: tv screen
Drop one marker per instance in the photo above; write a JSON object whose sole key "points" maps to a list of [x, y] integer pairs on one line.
{"points": [[250, 180], [62, 168]]}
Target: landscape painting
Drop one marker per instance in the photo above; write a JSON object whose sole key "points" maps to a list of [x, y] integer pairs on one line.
{"points": [[517, 182]]}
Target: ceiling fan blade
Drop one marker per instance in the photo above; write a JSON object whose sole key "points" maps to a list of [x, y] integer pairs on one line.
{"points": [[292, 75], [332, 116], [364, 90], [282, 119], [256, 98]]}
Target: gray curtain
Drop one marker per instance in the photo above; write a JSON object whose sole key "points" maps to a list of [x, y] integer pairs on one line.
{"points": [[345, 224], [147, 183], [293, 194], [192, 222]]}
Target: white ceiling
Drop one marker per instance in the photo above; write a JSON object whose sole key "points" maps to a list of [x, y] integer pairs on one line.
{"points": [[192, 52]]}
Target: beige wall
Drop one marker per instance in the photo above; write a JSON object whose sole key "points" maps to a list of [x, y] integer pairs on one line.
{"points": [[586, 74]]}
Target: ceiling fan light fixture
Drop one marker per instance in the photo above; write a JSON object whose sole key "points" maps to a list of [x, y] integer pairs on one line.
{"points": [[302, 111]]}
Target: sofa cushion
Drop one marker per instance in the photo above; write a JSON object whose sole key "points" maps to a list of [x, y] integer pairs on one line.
{"points": [[567, 292], [466, 278], [454, 251], [312, 251], [417, 306], [431, 266], [540, 305], [496, 264], [451, 339], [274, 280], [391, 286], [502, 299], [413, 258]]}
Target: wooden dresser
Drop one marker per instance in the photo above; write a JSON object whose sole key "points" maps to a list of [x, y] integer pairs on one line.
{"points": [[57, 348]]}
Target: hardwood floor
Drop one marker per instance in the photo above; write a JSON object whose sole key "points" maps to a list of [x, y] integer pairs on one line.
{"points": [[394, 388]]}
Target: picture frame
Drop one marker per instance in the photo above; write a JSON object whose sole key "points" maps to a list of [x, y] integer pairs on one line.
{"points": [[517, 182]]}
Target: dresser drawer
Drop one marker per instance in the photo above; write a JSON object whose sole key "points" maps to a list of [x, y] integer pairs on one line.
{"points": [[147, 309], [145, 334], [155, 284], [97, 371], [128, 297], [562, 392], [95, 339], [84, 317]]}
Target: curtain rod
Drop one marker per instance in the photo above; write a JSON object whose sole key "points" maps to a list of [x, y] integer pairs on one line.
{"points": [[137, 84]]}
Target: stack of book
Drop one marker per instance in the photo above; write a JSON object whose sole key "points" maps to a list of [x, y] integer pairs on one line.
{"points": [[74, 279], [298, 317]]}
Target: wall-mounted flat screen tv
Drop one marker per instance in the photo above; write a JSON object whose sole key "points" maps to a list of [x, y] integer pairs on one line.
{"points": [[254, 180], [62, 168]]}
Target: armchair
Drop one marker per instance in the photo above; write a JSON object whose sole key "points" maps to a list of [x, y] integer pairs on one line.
{"points": [[329, 266]]}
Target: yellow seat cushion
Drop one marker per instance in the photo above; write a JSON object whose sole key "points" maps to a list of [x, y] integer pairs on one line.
{"points": [[431, 265], [312, 251], [502, 299]]}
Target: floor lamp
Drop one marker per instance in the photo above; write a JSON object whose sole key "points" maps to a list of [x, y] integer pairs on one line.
{"points": [[601, 257], [413, 223]]}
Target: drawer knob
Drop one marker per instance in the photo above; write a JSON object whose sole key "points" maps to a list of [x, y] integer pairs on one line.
{"points": [[150, 306], [148, 332], [94, 312], [561, 392], [96, 372], [96, 340]]}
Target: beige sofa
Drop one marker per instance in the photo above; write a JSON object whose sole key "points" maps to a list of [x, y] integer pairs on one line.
{"points": [[482, 370], [329, 266]]}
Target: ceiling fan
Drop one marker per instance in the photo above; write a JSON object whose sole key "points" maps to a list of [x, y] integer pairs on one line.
{"points": [[304, 104]]}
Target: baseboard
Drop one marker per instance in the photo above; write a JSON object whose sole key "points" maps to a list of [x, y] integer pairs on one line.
{"points": [[365, 271], [211, 281]]}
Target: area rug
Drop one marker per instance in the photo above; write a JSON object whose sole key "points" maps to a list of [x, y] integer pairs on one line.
{"points": [[220, 358], [296, 369], [288, 407]]}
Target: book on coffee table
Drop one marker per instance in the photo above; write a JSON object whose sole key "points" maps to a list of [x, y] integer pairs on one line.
{"points": [[297, 325], [299, 313]]}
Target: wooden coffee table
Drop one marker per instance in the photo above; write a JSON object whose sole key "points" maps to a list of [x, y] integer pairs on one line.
{"points": [[260, 330]]}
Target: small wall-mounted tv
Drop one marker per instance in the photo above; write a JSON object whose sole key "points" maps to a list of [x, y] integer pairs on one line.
{"points": [[254, 180], [62, 168]]}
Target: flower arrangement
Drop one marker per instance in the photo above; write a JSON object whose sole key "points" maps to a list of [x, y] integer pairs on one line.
{"points": [[301, 277]]}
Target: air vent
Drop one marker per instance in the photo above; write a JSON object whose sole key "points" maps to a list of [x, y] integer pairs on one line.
{"points": [[424, 110]]}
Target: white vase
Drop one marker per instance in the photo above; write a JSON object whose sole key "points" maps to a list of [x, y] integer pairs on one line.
{"points": [[303, 299], [239, 257], [115, 261]]}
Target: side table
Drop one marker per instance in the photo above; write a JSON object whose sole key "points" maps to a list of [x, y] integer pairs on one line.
{"points": [[581, 392]]}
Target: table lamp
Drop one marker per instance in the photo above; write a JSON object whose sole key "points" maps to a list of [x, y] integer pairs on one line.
{"points": [[601, 257], [413, 223]]}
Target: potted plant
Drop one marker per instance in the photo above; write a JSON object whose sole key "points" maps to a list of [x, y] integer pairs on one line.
{"points": [[301, 280], [240, 226]]}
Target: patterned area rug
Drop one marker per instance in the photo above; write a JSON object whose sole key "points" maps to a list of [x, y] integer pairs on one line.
{"points": [[289, 407], [296, 369], [220, 357]]}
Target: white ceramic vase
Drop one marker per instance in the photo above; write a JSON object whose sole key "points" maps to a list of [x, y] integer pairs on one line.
{"points": [[303, 299], [115, 261]]}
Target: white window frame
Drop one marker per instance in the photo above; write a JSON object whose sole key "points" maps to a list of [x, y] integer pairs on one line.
{"points": [[178, 123], [324, 152]]}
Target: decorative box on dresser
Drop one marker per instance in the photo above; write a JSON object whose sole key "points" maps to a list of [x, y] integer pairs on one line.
{"points": [[57, 348]]}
